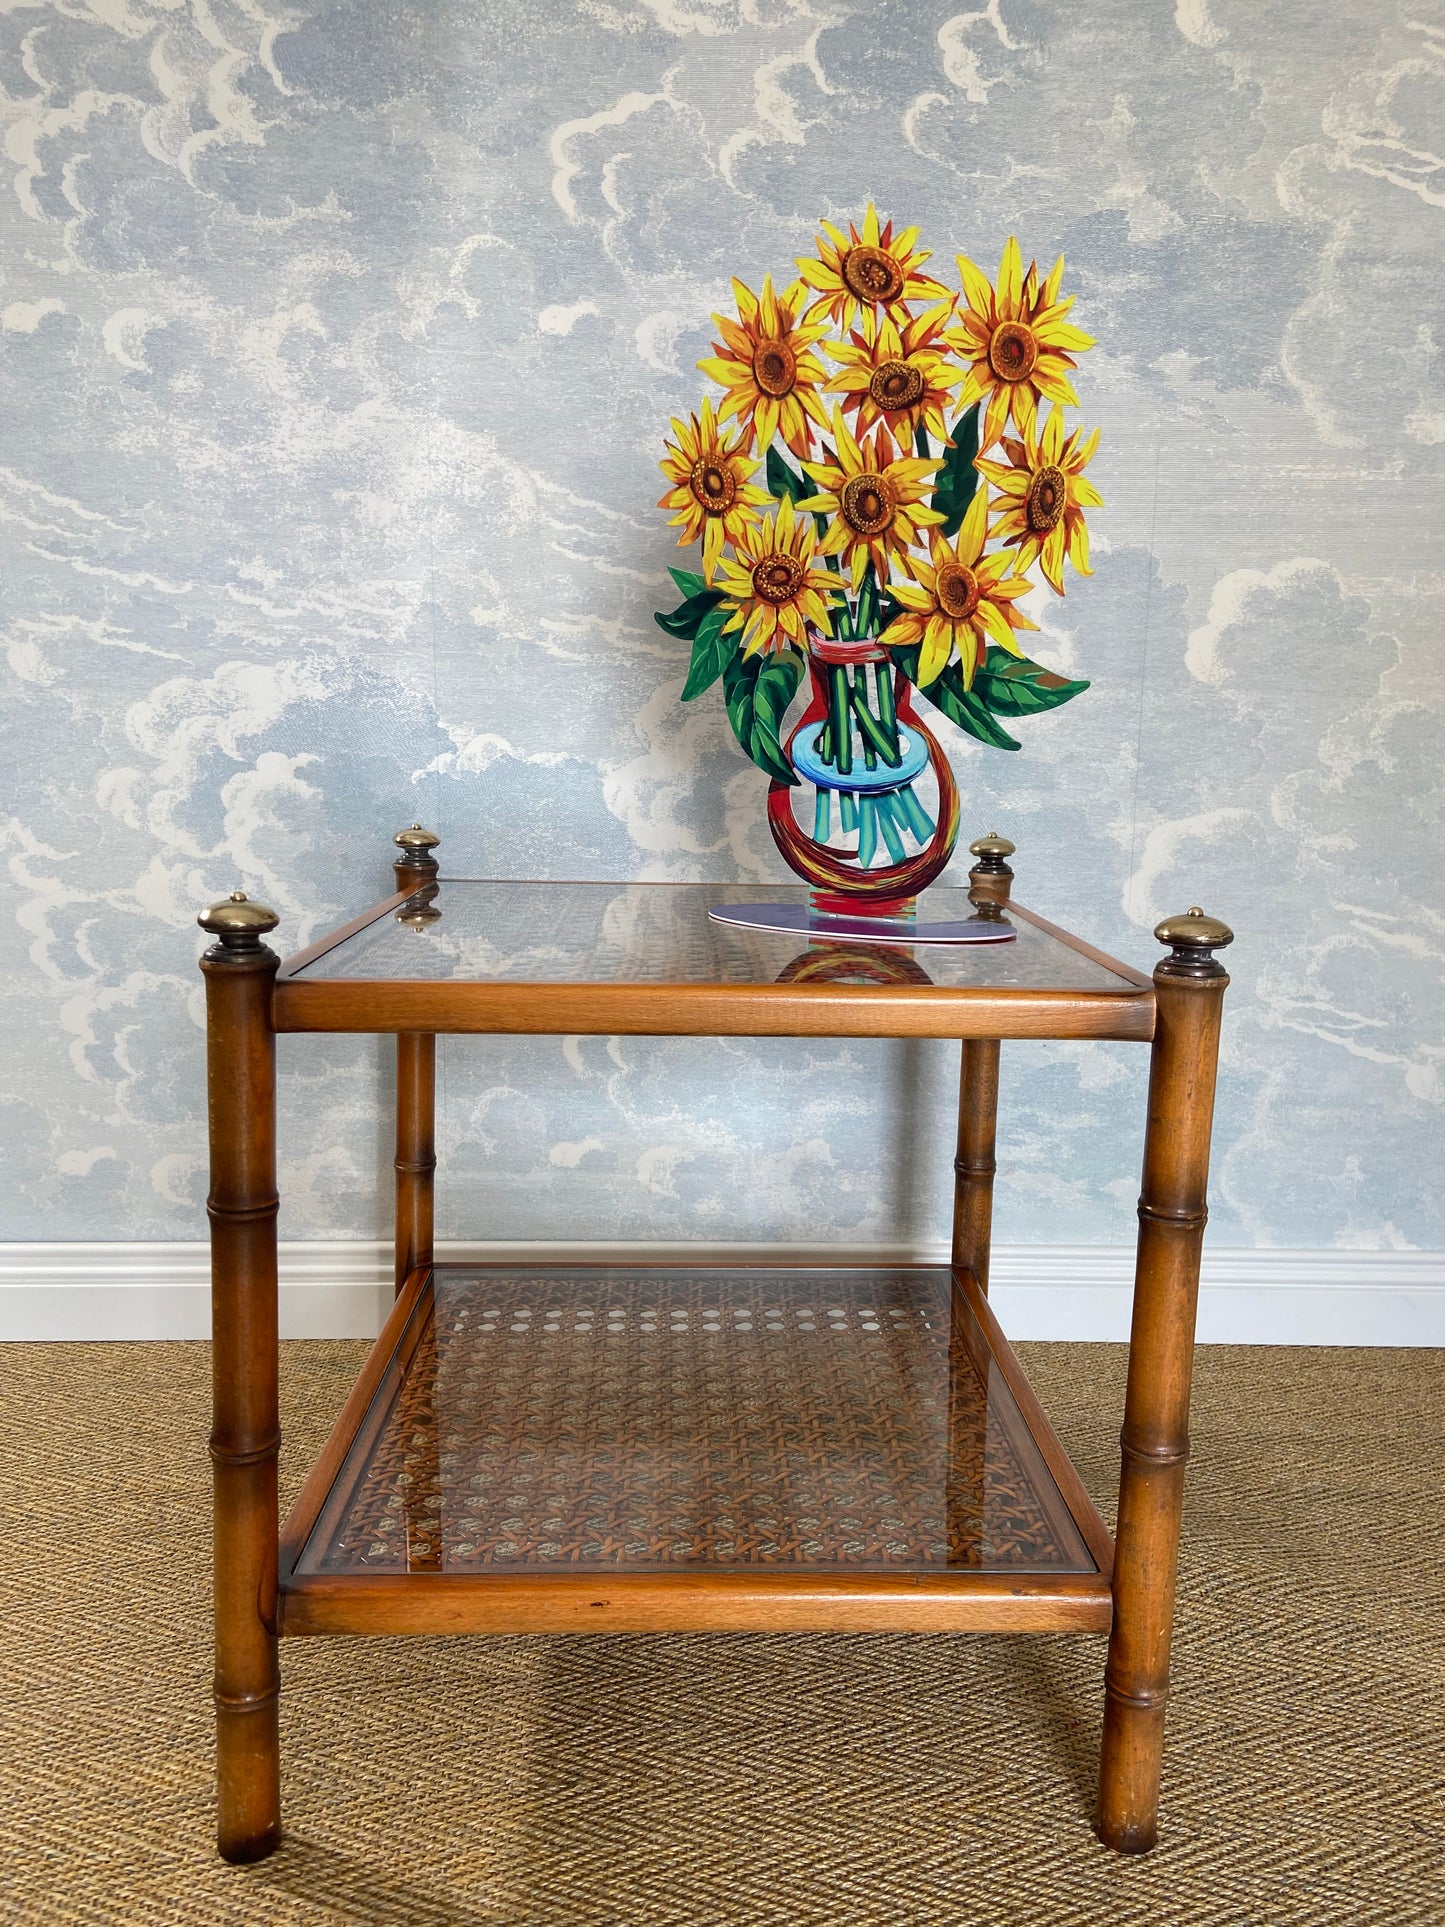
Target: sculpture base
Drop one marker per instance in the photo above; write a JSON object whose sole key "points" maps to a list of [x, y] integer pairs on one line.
{"points": [[798, 920]]}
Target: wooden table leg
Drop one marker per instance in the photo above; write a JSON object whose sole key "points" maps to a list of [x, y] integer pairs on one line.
{"points": [[1189, 986], [989, 883], [973, 1167], [415, 1149], [245, 1438], [417, 868]]}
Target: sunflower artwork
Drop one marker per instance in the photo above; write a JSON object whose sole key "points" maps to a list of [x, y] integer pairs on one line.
{"points": [[889, 463]]}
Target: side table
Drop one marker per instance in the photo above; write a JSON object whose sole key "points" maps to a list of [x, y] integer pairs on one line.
{"points": [[701, 1447]]}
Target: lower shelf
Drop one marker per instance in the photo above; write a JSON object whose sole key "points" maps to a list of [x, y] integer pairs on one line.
{"points": [[648, 1448]]}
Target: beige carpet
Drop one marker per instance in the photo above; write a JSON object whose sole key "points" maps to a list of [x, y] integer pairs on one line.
{"points": [[746, 1779]]}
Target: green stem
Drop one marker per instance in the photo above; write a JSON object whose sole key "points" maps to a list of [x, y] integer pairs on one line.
{"points": [[860, 704], [887, 716], [889, 828], [872, 735], [842, 729]]}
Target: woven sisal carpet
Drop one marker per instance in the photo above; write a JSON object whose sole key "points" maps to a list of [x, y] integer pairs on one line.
{"points": [[739, 1779]]}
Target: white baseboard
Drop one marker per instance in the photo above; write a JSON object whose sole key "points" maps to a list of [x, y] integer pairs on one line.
{"points": [[340, 1288]]}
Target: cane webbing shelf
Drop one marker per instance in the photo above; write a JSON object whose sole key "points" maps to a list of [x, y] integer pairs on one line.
{"points": [[700, 1447], [802, 1423]]}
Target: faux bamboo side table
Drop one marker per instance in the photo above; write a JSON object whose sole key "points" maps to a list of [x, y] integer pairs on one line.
{"points": [[708, 1447]]}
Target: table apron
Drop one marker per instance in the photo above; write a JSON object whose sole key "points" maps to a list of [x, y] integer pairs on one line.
{"points": [[709, 1010]]}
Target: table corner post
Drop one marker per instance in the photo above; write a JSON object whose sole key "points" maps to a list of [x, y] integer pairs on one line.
{"points": [[1189, 991], [417, 864], [989, 883], [416, 869], [415, 1150], [242, 1205]]}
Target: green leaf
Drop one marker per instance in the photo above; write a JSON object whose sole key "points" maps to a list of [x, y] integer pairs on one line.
{"points": [[687, 582], [1014, 686], [758, 690], [783, 480], [958, 478], [686, 619], [962, 706], [711, 653]]}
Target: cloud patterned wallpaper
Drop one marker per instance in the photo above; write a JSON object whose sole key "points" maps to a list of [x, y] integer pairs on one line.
{"points": [[337, 345]]}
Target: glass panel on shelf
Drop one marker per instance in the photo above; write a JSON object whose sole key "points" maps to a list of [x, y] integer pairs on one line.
{"points": [[610, 933], [672, 1420]]}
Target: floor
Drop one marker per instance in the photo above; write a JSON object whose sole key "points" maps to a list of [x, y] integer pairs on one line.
{"points": [[769, 1779]]}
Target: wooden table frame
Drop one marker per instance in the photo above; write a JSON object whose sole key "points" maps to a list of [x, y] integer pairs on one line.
{"points": [[251, 996]]}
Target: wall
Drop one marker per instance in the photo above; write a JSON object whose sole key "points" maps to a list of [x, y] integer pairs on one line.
{"points": [[336, 349]]}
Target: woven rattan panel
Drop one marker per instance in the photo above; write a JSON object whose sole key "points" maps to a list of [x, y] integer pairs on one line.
{"points": [[649, 1420]]}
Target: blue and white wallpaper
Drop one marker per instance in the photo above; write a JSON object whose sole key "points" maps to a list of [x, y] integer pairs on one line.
{"points": [[337, 344]]}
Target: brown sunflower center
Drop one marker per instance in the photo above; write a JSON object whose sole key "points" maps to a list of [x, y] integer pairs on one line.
{"points": [[872, 275], [1044, 503], [714, 486], [867, 504], [778, 577], [775, 367], [896, 384], [956, 589], [1013, 351]]}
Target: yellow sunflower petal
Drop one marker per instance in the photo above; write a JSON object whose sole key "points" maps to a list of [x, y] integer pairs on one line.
{"points": [[712, 541], [1050, 380], [1078, 544], [975, 525], [1024, 406], [996, 414], [903, 629], [996, 626], [1010, 279], [912, 596], [1063, 334], [1051, 557], [936, 650]]}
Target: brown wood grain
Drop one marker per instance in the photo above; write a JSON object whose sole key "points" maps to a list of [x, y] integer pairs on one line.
{"points": [[1155, 1438], [415, 1162], [245, 1434], [974, 1162], [710, 1010], [694, 1602]]}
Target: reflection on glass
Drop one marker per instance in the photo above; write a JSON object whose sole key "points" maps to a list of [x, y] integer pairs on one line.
{"points": [[658, 1420], [421, 910], [654, 933], [854, 963]]}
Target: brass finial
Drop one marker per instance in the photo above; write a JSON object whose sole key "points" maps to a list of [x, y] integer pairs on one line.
{"points": [[416, 841], [1193, 940], [239, 925], [992, 850]]}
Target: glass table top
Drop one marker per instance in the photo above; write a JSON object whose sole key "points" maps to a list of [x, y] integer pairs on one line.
{"points": [[609, 933], [636, 1420]]}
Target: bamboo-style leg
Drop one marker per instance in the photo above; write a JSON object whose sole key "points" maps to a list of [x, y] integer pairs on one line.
{"points": [[1189, 988], [245, 1437], [973, 1167], [416, 870], [415, 1149], [989, 883]]}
